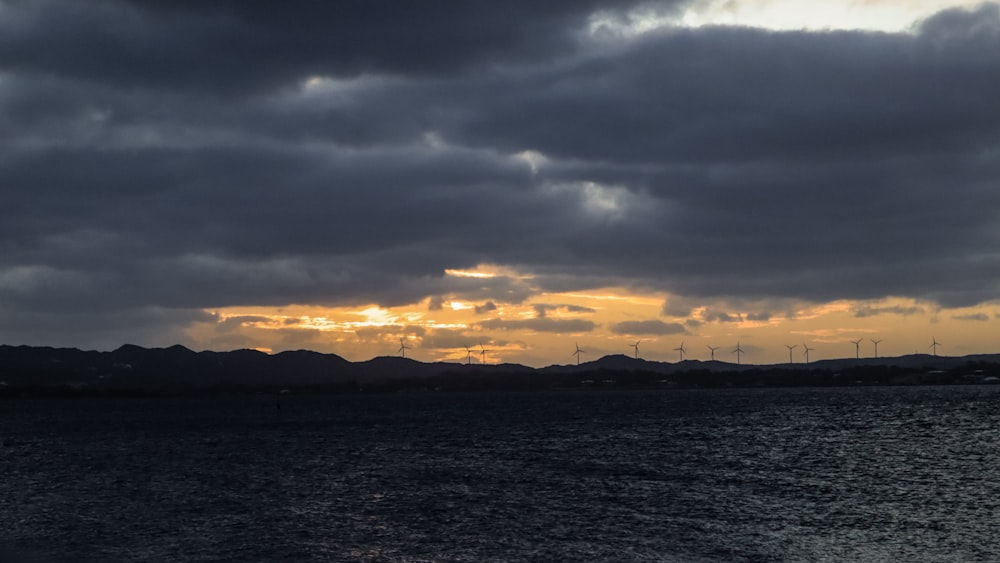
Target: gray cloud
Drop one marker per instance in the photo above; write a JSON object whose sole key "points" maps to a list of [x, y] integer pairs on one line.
{"points": [[487, 307], [677, 307], [540, 324], [449, 339], [388, 332], [711, 316], [135, 43], [871, 311], [543, 309], [980, 317], [232, 323], [352, 159], [656, 327], [144, 326]]}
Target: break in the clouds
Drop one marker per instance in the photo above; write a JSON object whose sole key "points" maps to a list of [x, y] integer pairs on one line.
{"points": [[164, 158]]}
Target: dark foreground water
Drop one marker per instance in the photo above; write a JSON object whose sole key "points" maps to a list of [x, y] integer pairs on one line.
{"points": [[906, 474]]}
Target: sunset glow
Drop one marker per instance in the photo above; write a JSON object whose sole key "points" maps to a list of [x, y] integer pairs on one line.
{"points": [[513, 178], [513, 280], [530, 332]]}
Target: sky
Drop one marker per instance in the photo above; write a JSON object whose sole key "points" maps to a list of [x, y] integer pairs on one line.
{"points": [[520, 177]]}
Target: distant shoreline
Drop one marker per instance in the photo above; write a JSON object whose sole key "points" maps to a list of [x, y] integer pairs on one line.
{"points": [[133, 371]]}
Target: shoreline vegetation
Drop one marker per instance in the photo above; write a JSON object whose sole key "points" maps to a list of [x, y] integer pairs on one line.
{"points": [[28, 371]]}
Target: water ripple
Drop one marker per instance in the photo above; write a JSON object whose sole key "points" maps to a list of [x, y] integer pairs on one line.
{"points": [[686, 476]]}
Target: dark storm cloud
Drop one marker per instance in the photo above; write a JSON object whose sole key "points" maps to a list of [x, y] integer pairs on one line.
{"points": [[647, 327], [175, 156], [233, 46]]}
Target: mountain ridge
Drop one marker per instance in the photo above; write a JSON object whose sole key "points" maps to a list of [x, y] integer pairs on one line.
{"points": [[132, 367]]}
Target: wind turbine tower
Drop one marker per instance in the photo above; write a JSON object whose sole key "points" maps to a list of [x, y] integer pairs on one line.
{"points": [[713, 349], [483, 351], [577, 353], [468, 355], [738, 351], [875, 342], [807, 349], [636, 347], [857, 348], [790, 348], [402, 348], [680, 350], [934, 345]]}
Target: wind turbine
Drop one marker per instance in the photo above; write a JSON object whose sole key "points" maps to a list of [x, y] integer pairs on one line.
{"points": [[713, 349], [577, 353], [807, 349], [790, 348], [468, 355], [857, 348], [934, 345], [680, 349], [484, 350], [402, 347], [636, 346], [738, 351], [875, 342]]}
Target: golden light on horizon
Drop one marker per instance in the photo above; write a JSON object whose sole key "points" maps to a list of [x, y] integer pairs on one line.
{"points": [[543, 329], [376, 316], [622, 296]]}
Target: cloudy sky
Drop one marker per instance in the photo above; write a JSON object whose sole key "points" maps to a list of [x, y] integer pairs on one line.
{"points": [[523, 175]]}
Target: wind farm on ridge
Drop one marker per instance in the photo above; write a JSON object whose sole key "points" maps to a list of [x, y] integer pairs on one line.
{"points": [[682, 353]]}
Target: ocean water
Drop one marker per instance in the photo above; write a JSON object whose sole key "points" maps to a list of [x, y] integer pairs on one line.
{"points": [[859, 474]]}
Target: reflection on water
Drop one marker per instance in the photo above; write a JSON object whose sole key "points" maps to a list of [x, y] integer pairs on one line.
{"points": [[742, 475]]}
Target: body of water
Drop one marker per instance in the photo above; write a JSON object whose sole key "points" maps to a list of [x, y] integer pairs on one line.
{"points": [[859, 474]]}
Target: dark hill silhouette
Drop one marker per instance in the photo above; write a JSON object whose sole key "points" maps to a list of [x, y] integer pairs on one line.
{"points": [[132, 368], [384, 368], [621, 362]]}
